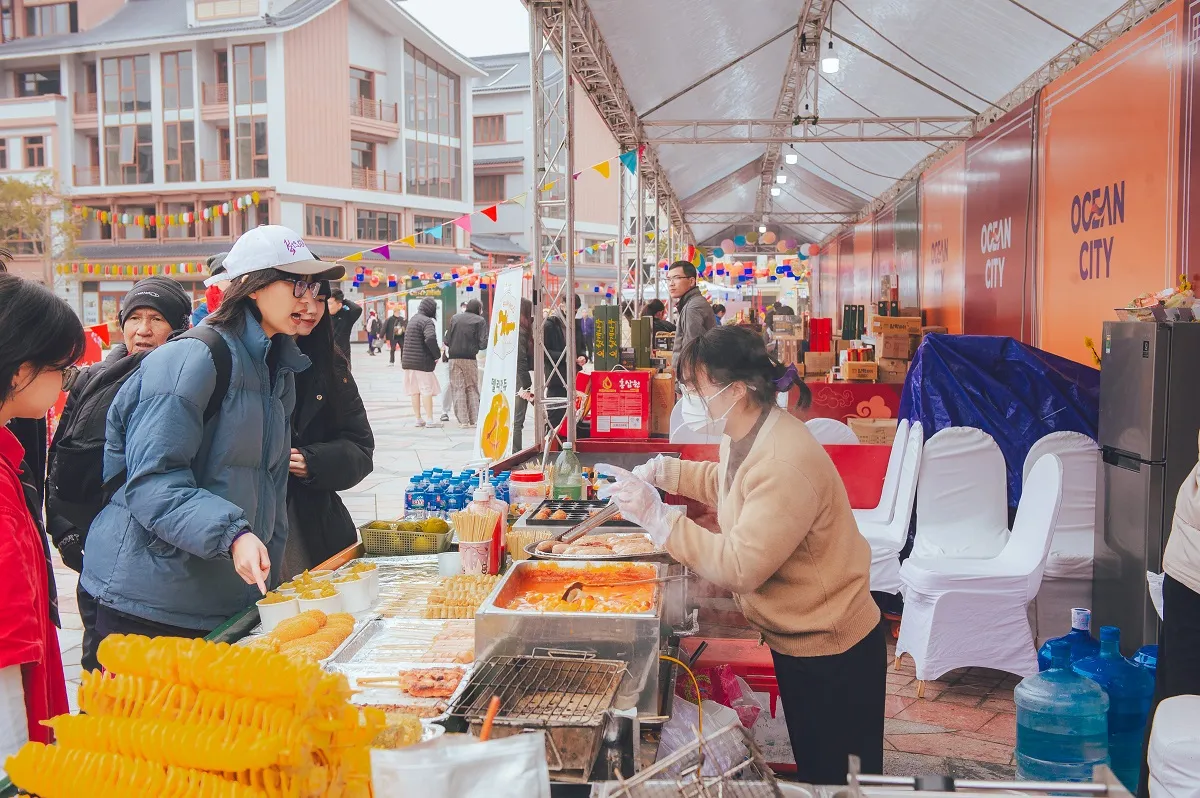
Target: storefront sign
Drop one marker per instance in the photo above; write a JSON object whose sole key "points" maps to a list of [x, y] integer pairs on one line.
{"points": [[1109, 182], [498, 392], [621, 404], [943, 189], [998, 211]]}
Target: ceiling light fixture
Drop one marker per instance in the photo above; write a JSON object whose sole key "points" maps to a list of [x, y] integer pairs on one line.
{"points": [[776, 191], [781, 178], [791, 158], [762, 228], [830, 63]]}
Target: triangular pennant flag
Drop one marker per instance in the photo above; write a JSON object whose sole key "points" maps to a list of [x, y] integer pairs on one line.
{"points": [[604, 168], [463, 222], [519, 199], [490, 212], [629, 160], [409, 241], [576, 175], [355, 256], [434, 233], [549, 186], [383, 250]]}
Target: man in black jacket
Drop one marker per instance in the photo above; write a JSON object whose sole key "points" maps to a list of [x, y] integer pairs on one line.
{"points": [[393, 333], [343, 313], [466, 338], [554, 339]]}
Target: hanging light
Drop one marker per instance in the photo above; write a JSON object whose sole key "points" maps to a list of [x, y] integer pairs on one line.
{"points": [[776, 191], [781, 178], [830, 63], [791, 158], [762, 228]]}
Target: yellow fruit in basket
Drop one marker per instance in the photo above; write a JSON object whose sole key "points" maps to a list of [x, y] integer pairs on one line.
{"points": [[435, 526], [422, 545], [496, 428]]}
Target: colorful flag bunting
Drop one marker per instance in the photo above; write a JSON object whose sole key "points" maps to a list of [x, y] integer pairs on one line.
{"points": [[491, 212], [434, 233], [463, 222], [520, 199], [355, 256], [629, 160], [604, 168], [383, 250], [409, 241]]}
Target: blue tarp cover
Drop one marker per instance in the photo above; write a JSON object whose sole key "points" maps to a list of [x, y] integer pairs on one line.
{"points": [[1012, 391]]}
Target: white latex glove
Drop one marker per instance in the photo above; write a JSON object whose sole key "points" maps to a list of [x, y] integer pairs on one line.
{"points": [[639, 502], [652, 471]]}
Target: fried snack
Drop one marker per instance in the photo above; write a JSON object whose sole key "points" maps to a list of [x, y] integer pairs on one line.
{"points": [[52, 771], [431, 682], [298, 626], [317, 591], [275, 598], [558, 515], [402, 730], [459, 596]]}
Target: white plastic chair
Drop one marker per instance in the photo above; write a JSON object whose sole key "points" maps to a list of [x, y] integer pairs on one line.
{"points": [[1068, 580], [962, 507], [887, 539], [1174, 753], [829, 431], [972, 613], [882, 512]]}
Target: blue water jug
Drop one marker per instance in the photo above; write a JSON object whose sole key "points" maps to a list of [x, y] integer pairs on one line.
{"points": [[1080, 638], [1130, 690], [1062, 722], [1147, 657]]}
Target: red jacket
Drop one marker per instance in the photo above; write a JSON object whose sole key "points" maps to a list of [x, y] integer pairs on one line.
{"points": [[27, 637]]}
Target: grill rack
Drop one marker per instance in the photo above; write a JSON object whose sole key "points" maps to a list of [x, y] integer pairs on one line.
{"points": [[577, 510], [548, 689]]}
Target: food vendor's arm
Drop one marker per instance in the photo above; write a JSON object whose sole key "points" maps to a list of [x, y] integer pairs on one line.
{"points": [[691, 479], [779, 510]]}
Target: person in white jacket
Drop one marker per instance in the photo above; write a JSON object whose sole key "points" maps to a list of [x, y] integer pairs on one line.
{"points": [[1179, 644]]}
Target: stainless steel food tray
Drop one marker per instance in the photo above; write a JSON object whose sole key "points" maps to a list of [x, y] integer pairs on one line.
{"points": [[655, 556]]}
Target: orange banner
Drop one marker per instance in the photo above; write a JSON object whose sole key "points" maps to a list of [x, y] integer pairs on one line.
{"points": [[1109, 183], [943, 190], [864, 254]]}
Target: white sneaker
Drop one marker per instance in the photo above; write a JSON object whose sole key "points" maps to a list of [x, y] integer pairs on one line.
{"points": [[420, 423]]}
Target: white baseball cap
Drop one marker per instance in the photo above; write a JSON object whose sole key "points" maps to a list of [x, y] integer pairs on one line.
{"points": [[273, 246]]}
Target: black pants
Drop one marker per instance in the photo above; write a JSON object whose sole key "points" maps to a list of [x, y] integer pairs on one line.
{"points": [[1178, 657], [111, 622], [87, 614], [834, 707], [524, 382], [395, 344]]}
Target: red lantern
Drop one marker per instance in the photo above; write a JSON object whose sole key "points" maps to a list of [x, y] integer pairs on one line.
{"points": [[374, 280]]}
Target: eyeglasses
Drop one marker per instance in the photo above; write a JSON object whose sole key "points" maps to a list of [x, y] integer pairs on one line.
{"points": [[675, 278], [70, 375], [302, 287]]}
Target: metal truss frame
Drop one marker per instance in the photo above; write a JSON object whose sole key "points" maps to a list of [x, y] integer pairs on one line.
{"points": [[774, 217], [799, 130]]}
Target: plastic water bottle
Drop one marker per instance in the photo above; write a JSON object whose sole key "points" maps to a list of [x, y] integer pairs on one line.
{"points": [[1130, 691], [1062, 722], [568, 475], [1080, 638], [414, 498], [1147, 657]]}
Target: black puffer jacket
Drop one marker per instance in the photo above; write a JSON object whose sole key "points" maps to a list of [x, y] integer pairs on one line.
{"points": [[468, 333], [421, 350]]}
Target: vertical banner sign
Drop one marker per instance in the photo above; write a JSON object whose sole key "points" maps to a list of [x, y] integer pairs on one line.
{"points": [[863, 243], [883, 263], [499, 390], [1189, 255], [943, 188], [621, 404], [1108, 183], [826, 271], [908, 249], [845, 270], [999, 212]]}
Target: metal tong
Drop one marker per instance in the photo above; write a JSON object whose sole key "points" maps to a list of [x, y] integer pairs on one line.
{"points": [[579, 586], [571, 534]]}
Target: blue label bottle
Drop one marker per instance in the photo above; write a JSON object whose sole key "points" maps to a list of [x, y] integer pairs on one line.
{"points": [[1080, 638]]}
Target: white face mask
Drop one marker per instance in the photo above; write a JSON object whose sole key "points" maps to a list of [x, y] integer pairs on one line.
{"points": [[696, 415]]}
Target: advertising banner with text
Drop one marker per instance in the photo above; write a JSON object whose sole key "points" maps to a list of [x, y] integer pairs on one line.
{"points": [[1108, 179], [884, 262], [845, 253], [999, 216], [943, 190], [498, 392], [908, 249]]}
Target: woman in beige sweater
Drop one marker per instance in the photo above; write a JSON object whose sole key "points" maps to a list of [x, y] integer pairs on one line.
{"points": [[788, 548]]}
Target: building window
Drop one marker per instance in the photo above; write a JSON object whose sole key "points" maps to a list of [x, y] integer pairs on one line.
{"points": [[250, 73], [378, 226], [128, 154], [179, 151], [133, 231], [19, 242], [35, 152], [362, 84], [51, 20], [7, 30], [322, 221], [362, 155], [432, 94], [252, 147], [177, 209], [433, 170], [225, 9], [489, 129], [38, 83], [3, 153], [423, 223], [177, 81], [91, 229], [252, 216], [489, 188], [126, 84]]}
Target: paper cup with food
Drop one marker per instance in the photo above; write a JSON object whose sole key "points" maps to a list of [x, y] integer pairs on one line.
{"points": [[275, 607]]}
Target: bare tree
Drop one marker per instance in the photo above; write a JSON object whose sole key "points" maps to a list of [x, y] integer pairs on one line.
{"points": [[36, 219]]}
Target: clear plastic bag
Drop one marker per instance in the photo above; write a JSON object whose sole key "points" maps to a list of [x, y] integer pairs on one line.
{"points": [[682, 729], [1155, 583], [459, 766]]}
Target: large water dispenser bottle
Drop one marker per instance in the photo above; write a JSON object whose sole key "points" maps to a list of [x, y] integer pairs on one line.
{"points": [[1080, 638], [1062, 722], [1130, 690]]}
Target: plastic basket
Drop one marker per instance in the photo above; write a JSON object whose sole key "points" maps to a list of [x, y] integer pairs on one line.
{"points": [[380, 539]]}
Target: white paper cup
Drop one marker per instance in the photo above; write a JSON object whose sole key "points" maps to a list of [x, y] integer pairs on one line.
{"points": [[474, 556], [449, 563], [328, 605], [321, 576], [272, 614], [355, 595]]}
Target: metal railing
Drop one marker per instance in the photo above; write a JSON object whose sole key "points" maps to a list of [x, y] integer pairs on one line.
{"points": [[215, 94], [214, 170], [85, 102], [376, 181], [377, 110], [87, 175]]}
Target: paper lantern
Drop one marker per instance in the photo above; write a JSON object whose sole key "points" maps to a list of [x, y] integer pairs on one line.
{"points": [[802, 256], [751, 237], [769, 237], [814, 249], [790, 243], [727, 244], [781, 246], [595, 289], [718, 252], [739, 241]]}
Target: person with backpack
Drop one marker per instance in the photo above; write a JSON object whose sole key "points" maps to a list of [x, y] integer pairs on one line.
{"points": [[332, 446], [419, 357], [466, 338], [40, 339], [153, 311], [196, 463], [374, 331]]}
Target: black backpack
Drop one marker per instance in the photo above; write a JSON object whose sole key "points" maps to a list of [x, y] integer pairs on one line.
{"points": [[76, 489]]}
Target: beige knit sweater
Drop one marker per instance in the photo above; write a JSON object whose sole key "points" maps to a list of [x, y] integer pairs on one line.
{"points": [[789, 547]]}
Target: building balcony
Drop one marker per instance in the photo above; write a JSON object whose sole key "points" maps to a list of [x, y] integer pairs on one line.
{"points": [[214, 101], [374, 119], [86, 176], [84, 106], [214, 170], [376, 181], [42, 111]]}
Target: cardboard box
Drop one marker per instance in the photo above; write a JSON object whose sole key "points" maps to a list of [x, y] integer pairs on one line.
{"points": [[874, 431], [819, 362], [842, 344], [892, 370], [938, 330], [896, 346], [861, 371], [662, 402], [903, 325]]}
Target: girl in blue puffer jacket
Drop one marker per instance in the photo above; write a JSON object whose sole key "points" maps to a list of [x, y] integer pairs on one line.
{"points": [[198, 527]]}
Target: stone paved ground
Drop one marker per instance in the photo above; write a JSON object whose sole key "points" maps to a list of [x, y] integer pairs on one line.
{"points": [[964, 726]]}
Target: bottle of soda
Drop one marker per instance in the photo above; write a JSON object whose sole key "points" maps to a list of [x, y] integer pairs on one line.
{"points": [[568, 475]]}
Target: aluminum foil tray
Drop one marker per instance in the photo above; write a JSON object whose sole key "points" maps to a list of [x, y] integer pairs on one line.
{"points": [[386, 641]]}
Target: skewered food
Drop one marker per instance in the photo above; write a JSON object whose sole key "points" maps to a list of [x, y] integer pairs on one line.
{"points": [[459, 596], [431, 682]]}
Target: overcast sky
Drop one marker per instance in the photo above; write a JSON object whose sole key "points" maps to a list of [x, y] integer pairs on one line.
{"points": [[475, 27]]}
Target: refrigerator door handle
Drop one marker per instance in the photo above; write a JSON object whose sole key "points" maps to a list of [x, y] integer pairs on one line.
{"points": [[1113, 457]]}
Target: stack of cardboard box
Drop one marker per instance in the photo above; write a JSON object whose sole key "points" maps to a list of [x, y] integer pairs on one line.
{"points": [[896, 342]]}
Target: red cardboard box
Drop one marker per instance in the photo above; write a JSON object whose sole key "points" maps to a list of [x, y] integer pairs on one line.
{"points": [[621, 405]]}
